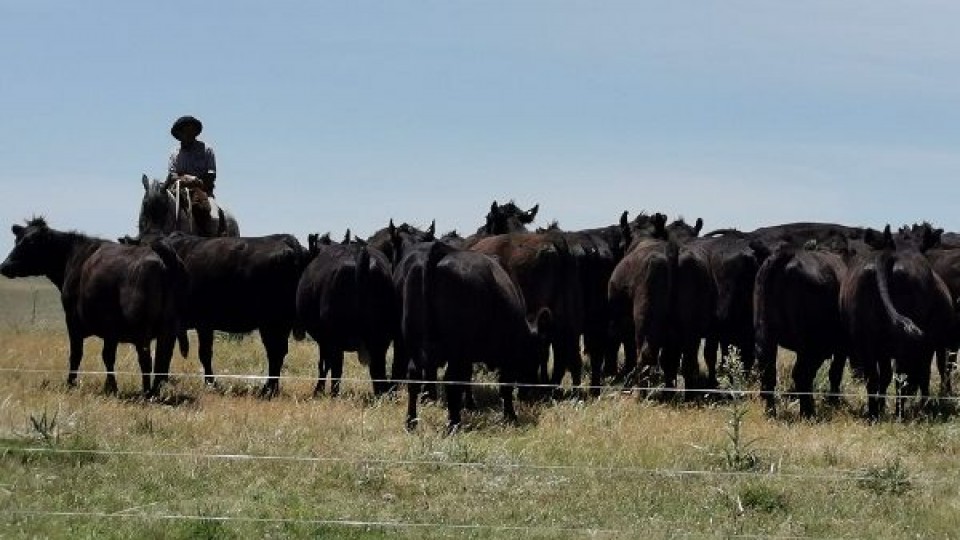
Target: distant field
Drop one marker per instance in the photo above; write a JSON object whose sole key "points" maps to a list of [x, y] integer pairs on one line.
{"points": [[80, 464]]}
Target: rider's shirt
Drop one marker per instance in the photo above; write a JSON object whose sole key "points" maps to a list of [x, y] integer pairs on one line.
{"points": [[197, 160]]}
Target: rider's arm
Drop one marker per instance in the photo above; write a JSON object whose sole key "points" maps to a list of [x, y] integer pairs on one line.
{"points": [[210, 174]]}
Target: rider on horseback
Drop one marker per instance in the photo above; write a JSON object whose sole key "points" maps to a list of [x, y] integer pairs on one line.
{"points": [[193, 164]]}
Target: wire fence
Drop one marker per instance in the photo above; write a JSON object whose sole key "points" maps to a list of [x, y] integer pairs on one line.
{"points": [[603, 388], [676, 529], [774, 473]]}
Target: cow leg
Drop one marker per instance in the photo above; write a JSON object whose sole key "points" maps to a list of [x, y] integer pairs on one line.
{"points": [[378, 369], [632, 344], [401, 361], [454, 376], [836, 376], [593, 342], [670, 365], [766, 355], [320, 387], [884, 376], [109, 355], [146, 366], [804, 371], [205, 352], [336, 372], [506, 394], [468, 401], [76, 354], [690, 365], [710, 347], [413, 393], [943, 367], [275, 341], [161, 368]]}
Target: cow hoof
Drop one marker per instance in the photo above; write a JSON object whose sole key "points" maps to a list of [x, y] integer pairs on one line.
{"points": [[267, 392]]}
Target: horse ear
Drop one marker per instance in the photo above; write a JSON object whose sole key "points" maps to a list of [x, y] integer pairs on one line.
{"points": [[391, 228], [625, 219], [698, 227], [146, 183], [17, 230], [432, 229], [493, 206]]}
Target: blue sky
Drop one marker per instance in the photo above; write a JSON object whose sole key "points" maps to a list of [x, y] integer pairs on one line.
{"points": [[328, 115]]}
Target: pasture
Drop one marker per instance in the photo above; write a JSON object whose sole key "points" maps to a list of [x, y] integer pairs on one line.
{"points": [[220, 463]]}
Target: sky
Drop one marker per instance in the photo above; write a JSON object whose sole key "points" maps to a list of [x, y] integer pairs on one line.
{"points": [[327, 115]]}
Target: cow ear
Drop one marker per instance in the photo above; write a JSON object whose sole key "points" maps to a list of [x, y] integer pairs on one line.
{"points": [[887, 237], [698, 227], [531, 214], [931, 238], [146, 183], [17, 230]]}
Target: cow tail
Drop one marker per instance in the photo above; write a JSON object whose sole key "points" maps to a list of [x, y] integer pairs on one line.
{"points": [[361, 278], [302, 259], [180, 282], [673, 265], [430, 324], [902, 324], [762, 299]]}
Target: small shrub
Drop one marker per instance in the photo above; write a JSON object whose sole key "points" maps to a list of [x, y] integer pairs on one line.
{"points": [[891, 478], [762, 498]]}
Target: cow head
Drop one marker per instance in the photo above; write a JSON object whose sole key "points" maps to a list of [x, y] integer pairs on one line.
{"points": [[31, 254], [682, 231], [508, 218], [404, 236]]}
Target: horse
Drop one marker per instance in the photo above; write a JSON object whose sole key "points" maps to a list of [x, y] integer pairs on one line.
{"points": [[169, 209]]}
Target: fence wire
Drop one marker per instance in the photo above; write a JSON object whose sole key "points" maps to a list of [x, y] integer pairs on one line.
{"points": [[604, 388], [774, 474], [675, 528]]}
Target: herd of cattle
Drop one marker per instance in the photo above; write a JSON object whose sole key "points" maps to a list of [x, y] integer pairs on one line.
{"points": [[507, 298]]}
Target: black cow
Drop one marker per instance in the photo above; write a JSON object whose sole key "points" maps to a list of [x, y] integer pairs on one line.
{"points": [[547, 274], [797, 306], [946, 264], [896, 307], [391, 240], [507, 218], [122, 294], [240, 285], [733, 262], [345, 302], [662, 303], [465, 309]]}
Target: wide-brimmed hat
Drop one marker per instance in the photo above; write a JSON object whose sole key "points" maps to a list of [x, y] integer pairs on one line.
{"points": [[185, 122]]}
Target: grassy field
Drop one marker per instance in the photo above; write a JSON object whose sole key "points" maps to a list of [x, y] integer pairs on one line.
{"points": [[77, 463]]}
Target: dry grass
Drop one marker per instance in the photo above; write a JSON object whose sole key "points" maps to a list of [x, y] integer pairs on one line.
{"points": [[834, 478]]}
